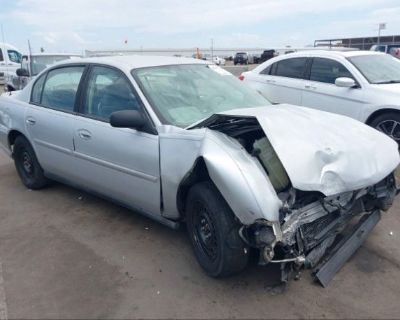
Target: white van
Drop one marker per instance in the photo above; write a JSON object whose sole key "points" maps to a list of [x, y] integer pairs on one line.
{"points": [[10, 61]]}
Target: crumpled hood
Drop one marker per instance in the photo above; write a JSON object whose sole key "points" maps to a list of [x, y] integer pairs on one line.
{"points": [[323, 151]]}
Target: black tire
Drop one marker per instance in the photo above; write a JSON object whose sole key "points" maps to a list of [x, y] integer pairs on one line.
{"points": [[27, 165], [214, 232], [9, 88], [385, 122]]}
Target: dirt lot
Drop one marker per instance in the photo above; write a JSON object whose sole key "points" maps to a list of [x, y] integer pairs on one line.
{"points": [[66, 254]]}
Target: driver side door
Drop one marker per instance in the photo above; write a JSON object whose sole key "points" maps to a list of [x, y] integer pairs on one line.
{"points": [[119, 163]]}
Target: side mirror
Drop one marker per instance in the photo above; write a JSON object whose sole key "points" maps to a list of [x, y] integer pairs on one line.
{"points": [[345, 82], [22, 72], [127, 119]]}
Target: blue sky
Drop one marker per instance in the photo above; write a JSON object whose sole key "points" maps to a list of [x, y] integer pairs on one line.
{"points": [[75, 25]]}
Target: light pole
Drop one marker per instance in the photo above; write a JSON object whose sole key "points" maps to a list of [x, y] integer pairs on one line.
{"points": [[381, 26], [212, 49]]}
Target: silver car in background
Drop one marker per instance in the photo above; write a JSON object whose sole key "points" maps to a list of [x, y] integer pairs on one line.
{"points": [[181, 140]]}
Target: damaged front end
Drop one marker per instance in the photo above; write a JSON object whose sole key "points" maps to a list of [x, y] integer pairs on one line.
{"points": [[331, 192], [314, 228]]}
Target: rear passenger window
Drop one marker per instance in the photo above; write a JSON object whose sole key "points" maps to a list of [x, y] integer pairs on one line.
{"points": [[60, 89], [108, 91], [327, 70], [37, 90], [291, 68]]}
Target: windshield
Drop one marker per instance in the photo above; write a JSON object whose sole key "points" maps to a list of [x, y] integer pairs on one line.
{"points": [[40, 63], [378, 69], [184, 94]]}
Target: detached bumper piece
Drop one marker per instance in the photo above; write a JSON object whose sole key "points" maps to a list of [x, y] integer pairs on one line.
{"points": [[345, 248]]}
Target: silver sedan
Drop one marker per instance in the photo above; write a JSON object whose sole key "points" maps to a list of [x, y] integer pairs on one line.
{"points": [[182, 140]]}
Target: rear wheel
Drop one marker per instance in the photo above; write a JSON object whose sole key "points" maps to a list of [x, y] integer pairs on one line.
{"points": [[214, 232], [27, 165], [389, 124]]}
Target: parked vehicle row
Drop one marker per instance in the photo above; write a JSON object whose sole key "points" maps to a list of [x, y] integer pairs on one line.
{"points": [[182, 140], [363, 85]]}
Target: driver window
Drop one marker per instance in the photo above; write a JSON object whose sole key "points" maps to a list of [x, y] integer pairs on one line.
{"points": [[108, 90], [14, 56]]}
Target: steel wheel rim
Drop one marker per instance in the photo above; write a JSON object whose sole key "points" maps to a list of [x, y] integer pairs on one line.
{"points": [[27, 163], [391, 128], [205, 233]]}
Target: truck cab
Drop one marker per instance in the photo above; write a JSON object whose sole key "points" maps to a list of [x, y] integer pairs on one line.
{"points": [[10, 61]]}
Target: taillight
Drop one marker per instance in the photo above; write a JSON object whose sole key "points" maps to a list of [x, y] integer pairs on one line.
{"points": [[241, 77]]}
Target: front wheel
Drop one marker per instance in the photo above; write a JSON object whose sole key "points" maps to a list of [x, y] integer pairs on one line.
{"points": [[27, 165], [389, 124], [214, 232]]}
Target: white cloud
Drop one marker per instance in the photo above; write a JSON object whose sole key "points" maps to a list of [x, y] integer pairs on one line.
{"points": [[77, 21], [168, 16]]}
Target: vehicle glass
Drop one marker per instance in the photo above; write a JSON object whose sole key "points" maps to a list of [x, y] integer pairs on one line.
{"points": [[327, 70], [61, 86], [108, 91], [39, 63], [37, 89], [14, 56], [1, 55], [291, 68], [266, 70], [273, 69], [381, 48], [241, 54], [184, 94], [378, 69]]}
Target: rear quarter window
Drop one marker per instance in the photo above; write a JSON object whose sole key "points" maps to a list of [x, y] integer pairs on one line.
{"points": [[37, 90]]}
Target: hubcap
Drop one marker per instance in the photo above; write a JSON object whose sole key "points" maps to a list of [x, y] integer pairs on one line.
{"points": [[390, 128], [205, 232], [27, 163]]}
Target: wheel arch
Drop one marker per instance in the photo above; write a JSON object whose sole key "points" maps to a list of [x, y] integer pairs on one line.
{"points": [[379, 112], [198, 173], [12, 136]]}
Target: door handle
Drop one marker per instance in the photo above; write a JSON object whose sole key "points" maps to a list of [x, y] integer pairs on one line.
{"points": [[84, 134], [270, 81], [30, 121], [310, 87]]}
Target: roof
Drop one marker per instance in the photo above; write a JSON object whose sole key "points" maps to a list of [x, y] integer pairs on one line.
{"points": [[138, 61], [333, 53], [49, 54]]}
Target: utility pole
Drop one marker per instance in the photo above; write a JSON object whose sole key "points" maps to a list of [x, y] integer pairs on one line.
{"points": [[212, 49], [381, 26]]}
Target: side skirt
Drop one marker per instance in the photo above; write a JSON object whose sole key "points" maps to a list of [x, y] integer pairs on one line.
{"points": [[169, 223]]}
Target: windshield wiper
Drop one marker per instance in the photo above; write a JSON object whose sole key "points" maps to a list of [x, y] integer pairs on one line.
{"points": [[387, 82]]}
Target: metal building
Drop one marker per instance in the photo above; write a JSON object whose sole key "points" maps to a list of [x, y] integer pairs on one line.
{"points": [[364, 43]]}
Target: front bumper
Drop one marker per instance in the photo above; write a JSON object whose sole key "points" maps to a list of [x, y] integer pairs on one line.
{"points": [[307, 236]]}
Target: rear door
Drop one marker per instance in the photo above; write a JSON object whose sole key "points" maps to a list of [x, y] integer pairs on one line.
{"points": [[283, 81], [119, 163], [321, 93], [50, 119]]}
